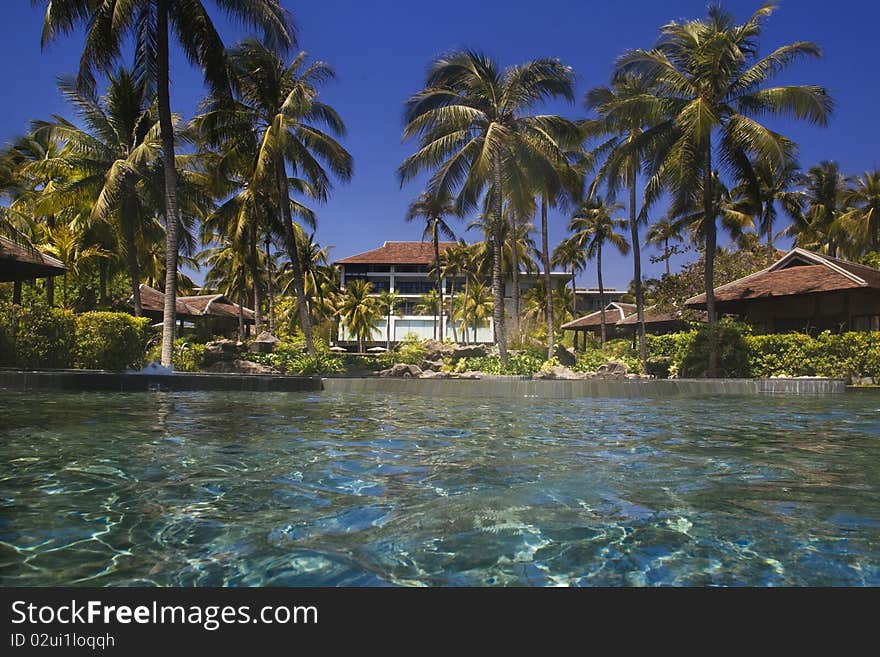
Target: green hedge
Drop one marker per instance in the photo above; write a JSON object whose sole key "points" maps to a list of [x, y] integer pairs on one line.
{"points": [[110, 341], [842, 355], [44, 337]]}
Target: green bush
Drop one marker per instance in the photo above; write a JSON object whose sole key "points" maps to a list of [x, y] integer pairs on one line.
{"points": [[518, 364], [299, 362], [110, 341], [186, 357], [731, 347], [46, 337], [843, 355], [410, 351], [7, 343], [590, 360]]}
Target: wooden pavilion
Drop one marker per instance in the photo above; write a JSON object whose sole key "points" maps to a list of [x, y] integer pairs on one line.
{"points": [[20, 262]]}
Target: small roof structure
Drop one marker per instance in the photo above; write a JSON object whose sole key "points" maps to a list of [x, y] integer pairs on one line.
{"points": [[657, 319], [798, 272], [397, 253], [19, 262], [614, 312], [202, 305]]}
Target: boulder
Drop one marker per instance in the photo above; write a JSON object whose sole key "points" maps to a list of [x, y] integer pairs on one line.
{"points": [[560, 372], [264, 343], [565, 356], [221, 350], [612, 370], [432, 365], [472, 351], [241, 367], [402, 371], [431, 374], [436, 350]]}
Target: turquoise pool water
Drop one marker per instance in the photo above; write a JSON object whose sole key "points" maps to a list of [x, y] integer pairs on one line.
{"points": [[249, 489]]}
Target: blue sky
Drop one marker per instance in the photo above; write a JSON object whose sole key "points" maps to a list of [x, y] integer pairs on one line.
{"points": [[381, 49]]}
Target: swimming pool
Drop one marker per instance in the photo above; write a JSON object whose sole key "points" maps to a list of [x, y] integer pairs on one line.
{"points": [[301, 489]]}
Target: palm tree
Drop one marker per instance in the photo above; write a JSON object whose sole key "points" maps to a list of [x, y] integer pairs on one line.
{"points": [[109, 23], [388, 302], [660, 233], [106, 162], [69, 247], [359, 311], [478, 306], [432, 209], [712, 86], [475, 130], [817, 228], [862, 218], [625, 109], [593, 226], [228, 273], [772, 186], [569, 254], [280, 102]]}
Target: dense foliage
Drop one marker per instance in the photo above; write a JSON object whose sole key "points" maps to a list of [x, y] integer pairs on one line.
{"points": [[110, 341]]}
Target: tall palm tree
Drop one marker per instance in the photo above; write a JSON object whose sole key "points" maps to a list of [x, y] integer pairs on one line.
{"points": [[625, 109], [817, 228], [475, 129], [477, 306], [773, 186], [359, 311], [296, 131], [151, 22], [713, 87], [388, 302], [593, 227], [432, 208], [229, 274], [661, 233], [570, 255], [862, 218], [106, 161]]}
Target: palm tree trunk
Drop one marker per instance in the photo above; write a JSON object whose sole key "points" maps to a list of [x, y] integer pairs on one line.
{"points": [[271, 288], [601, 293], [133, 269], [464, 324], [548, 291], [50, 281], [241, 317], [514, 275], [166, 126], [497, 281], [452, 310], [666, 255], [574, 301], [439, 280], [637, 271], [293, 253], [709, 273], [388, 330], [255, 276]]}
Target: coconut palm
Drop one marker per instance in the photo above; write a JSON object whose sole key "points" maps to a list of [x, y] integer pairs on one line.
{"points": [[823, 189], [475, 130], [388, 302], [772, 186], [359, 311], [713, 87], [661, 233], [593, 227], [432, 208], [105, 163], [625, 109], [229, 274], [68, 246], [108, 24], [295, 130], [569, 255], [862, 218], [477, 306]]}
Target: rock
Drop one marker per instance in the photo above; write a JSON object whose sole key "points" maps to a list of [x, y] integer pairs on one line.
{"points": [[436, 350], [565, 356], [469, 375], [221, 350], [561, 373], [264, 343], [432, 365], [612, 370], [473, 351], [430, 374], [402, 371], [241, 367]]}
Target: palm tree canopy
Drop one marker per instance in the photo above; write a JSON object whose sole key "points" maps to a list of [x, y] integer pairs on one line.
{"points": [[593, 226]]}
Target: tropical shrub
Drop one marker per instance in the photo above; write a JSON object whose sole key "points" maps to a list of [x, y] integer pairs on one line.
{"points": [[411, 350], [732, 350], [110, 341], [295, 361], [186, 357], [7, 341], [590, 360], [45, 337], [517, 365], [844, 355]]}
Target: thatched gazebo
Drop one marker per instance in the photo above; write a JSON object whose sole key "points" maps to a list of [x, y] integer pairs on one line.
{"points": [[19, 262]]}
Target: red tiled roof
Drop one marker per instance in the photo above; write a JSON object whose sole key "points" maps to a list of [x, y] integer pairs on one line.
{"points": [[21, 262], [655, 316], [203, 305], [397, 253], [614, 312], [798, 272]]}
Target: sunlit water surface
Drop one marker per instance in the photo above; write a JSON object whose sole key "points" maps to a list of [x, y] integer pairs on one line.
{"points": [[282, 489]]}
